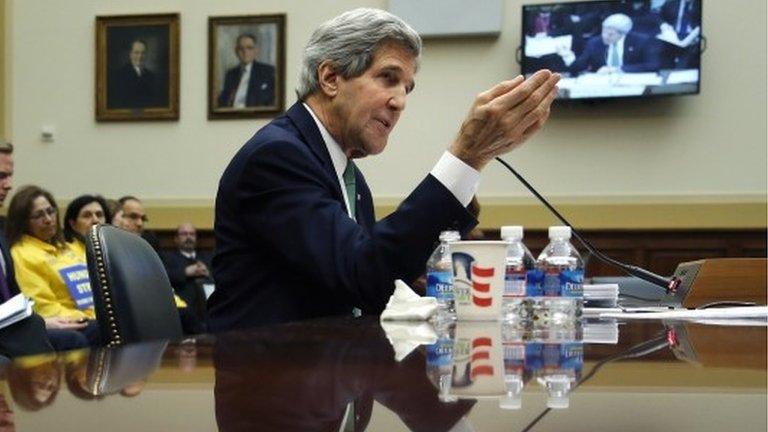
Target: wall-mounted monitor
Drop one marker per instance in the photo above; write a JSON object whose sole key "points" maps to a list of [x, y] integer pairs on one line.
{"points": [[615, 49]]}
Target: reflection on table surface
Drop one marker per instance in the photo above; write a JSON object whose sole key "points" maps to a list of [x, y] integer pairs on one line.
{"points": [[343, 374]]}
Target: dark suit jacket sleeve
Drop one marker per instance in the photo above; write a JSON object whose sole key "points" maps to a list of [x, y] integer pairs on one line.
{"points": [[589, 59], [287, 204], [10, 275]]}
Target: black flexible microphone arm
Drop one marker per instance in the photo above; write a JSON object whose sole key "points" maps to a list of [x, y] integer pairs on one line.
{"points": [[670, 285]]}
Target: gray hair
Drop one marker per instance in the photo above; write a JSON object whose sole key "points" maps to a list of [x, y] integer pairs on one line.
{"points": [[350, 41], [619, 22]]}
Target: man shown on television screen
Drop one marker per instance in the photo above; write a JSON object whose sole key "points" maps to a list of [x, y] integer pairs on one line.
{"points": [[616, 49]]}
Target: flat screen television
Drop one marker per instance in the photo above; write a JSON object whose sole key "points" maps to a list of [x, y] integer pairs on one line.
{"points": [[615, 49]]}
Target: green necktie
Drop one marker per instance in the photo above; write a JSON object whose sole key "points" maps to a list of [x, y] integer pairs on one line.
{"points": [[349, 184], [614, 60]]}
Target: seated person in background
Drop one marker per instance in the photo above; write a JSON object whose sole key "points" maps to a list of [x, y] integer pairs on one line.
{"points": [[133, 217], [30, 335], [47, 270], [82, 213], [617, 49], [188, 269]]}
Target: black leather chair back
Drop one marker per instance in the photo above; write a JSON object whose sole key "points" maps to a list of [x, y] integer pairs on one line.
{"points": [[133, 297]]}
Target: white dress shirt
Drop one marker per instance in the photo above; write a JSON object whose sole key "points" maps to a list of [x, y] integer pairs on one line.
{"points": [[242, 88]]}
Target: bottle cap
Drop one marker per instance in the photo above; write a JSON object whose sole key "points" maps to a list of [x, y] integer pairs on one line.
{"points": [[563, 232], [450, 236], [511, 232]]}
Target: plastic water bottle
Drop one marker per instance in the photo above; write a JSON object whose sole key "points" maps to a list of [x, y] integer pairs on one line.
{"points": [[513, 341], [561, 364], [561, 295], [440, 362], [519, 262], [440, 274]]}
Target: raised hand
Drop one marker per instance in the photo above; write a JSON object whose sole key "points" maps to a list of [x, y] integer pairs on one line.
{"points": [[504, 117]]}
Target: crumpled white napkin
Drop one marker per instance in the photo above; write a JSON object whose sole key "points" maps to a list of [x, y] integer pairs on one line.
{"points": [[406, 336], [406, 305], [404, 320]]}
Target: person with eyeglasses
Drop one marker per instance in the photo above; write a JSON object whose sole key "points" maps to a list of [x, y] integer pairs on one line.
{"points": [[47, 270], [82, 213], [133, 218]]}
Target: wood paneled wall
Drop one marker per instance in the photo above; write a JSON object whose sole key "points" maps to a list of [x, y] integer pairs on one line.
{"points": [[659, 251]]}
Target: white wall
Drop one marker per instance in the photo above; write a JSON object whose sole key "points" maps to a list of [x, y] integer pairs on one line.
{"points": [[712, 145]]}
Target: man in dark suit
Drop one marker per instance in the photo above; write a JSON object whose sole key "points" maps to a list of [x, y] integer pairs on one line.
{"points": [[251, 83], [188, 269], [28, 336], [617, 49], [133, 85], [296, 236]]}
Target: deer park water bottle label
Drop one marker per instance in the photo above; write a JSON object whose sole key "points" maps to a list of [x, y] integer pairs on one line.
{"points": [[440, 285], [572, 283]]}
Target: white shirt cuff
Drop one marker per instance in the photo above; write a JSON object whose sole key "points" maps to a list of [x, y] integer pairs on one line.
{"points": [[459, 178]]}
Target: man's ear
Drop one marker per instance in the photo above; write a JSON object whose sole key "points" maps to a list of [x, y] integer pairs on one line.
{"points": [[328, 78]]}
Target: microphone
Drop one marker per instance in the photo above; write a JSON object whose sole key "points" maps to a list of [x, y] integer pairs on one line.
{"points": [[670, 285]]}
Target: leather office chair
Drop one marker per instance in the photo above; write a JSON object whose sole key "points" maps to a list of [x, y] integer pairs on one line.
{"points": [[133, 297]]}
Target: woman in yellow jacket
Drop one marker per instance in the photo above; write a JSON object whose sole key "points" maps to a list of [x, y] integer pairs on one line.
{"points": [[47, 269]]}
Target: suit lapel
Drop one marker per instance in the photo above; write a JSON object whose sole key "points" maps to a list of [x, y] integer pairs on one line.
{"points": [[307, 127]]}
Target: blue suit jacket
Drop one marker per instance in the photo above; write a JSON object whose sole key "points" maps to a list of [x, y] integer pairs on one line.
{"points": [[287, 250], [641, 54]]}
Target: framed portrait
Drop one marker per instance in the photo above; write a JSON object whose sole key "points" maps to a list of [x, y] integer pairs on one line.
{"points": [[137, 67], [246, 66]]}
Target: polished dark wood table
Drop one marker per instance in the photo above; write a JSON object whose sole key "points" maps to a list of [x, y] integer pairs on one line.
{"points": [[342, 374]]}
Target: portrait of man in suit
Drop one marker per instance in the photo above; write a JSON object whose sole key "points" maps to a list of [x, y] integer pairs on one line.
{"points": [[245, 66], [134, 85], [250, 83], [137, 63]]}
